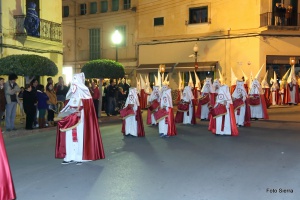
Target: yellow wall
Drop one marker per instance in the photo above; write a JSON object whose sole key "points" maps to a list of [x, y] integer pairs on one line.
{"points": [[77, 26], [49, 10]]}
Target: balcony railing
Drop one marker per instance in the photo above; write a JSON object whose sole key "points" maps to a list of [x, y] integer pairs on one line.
{"points": [[48, 30], [274, 19]]}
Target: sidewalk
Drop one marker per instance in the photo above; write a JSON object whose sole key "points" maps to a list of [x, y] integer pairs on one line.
{"points": [[21, 131]]}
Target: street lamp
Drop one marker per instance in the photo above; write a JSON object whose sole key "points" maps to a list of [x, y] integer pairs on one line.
{"points": [[196, 49], [116, 39], [292, 60]]}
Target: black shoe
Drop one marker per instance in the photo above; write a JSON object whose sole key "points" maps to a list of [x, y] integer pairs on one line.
{"points": [[67, 162], [78, 163]]}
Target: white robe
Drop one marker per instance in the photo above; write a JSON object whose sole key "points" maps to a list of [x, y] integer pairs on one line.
{"points": [[74, 150], [257, 111], [240, 119], [187, 119], [227, 125], [204, 111], [292, 95], [131, 124], [163, 127]]}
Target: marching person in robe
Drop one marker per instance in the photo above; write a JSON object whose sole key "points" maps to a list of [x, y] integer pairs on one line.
{"points": [[78, 136], [186, 108], [266, 89], [240, 105], [7, 188], [132, 121], [283, 86], [258, 106], [275, 96], [154, 102], [223, 121], [292, 89], [166, 124], [207, 98]]}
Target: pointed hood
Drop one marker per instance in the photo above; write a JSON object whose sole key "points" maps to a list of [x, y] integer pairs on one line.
{"points": [[274, 79], [142, 82], [221, 79], [264, 82], [292, 76], [166, 82], [191, 83], [285, 77], [198, 82], [246, 78], [155, 81], [158, 78], [180, 87], [233, 78], [257, 76]]}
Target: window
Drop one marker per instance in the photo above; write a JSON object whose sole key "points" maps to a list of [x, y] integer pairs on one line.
{"points": [[94, 44], [126, 4], [198, 15], [104, 6], [122, 31], [93, 7], [115, 5], [65, 11], [158, 21], [82, 9]]}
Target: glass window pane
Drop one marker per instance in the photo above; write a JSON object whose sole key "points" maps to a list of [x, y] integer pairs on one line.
{"points": [[115, 5], [104, 6], [94, 39], [82, 9], [158, 21], [126, 4], [93, 8], [198, 15], [66, 11]]}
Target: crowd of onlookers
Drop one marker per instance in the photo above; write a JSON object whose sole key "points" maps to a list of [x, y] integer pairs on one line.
{"points": [[40, 103]]}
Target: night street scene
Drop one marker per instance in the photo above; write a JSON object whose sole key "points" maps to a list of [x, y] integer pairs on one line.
{"points": [[149, 100]]}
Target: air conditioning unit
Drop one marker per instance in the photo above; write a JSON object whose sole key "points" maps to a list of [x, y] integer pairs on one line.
{"points": [[133, 9]]}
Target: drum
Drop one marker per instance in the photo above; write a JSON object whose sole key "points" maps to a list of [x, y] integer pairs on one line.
{"points": [[160, 115], [238, 103], [154, 105], [204, 99], [127, 112], [254, 100], [183, 107], [218, 111]]}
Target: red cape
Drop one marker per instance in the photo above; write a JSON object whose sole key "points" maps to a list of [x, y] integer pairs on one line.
{"points": [[234, 130], [140, 124], [7, 189], [143, 99], [92, 141], [179, 114], [171, 123], [287, 92], [264, 106]]}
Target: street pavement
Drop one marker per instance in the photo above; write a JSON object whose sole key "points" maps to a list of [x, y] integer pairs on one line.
{"points": [[262, 163]]}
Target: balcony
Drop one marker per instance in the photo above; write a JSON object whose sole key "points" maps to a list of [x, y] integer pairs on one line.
{"points": [[282, 21], [48, 30]]}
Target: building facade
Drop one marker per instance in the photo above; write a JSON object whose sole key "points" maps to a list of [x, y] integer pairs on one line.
{"points": [[229, 34], [15, 40], [242, 35], [88, 26]]}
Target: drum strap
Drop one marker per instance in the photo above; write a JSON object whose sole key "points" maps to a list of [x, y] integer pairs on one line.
{"points": [[223, 122]]}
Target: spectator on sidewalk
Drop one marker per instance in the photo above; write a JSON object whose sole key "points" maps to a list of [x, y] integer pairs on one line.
{"points": [[20, 96], [95, 95], [2, 100], [111, 97], [29, 103], [11, 89], [51, 103], [42, 105], [61, 91], [34, 83]]}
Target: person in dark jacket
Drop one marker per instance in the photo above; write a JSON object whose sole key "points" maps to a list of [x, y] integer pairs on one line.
{"points": [[2, 99], [42, 105], [29, 104]]}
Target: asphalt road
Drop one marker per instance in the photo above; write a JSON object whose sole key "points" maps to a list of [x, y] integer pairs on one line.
{"points": [[261, 163]]}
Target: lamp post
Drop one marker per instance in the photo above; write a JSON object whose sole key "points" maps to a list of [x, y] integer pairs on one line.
{"points": [[162, 69], [116, 39], [196, 49], [292, 61]]}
